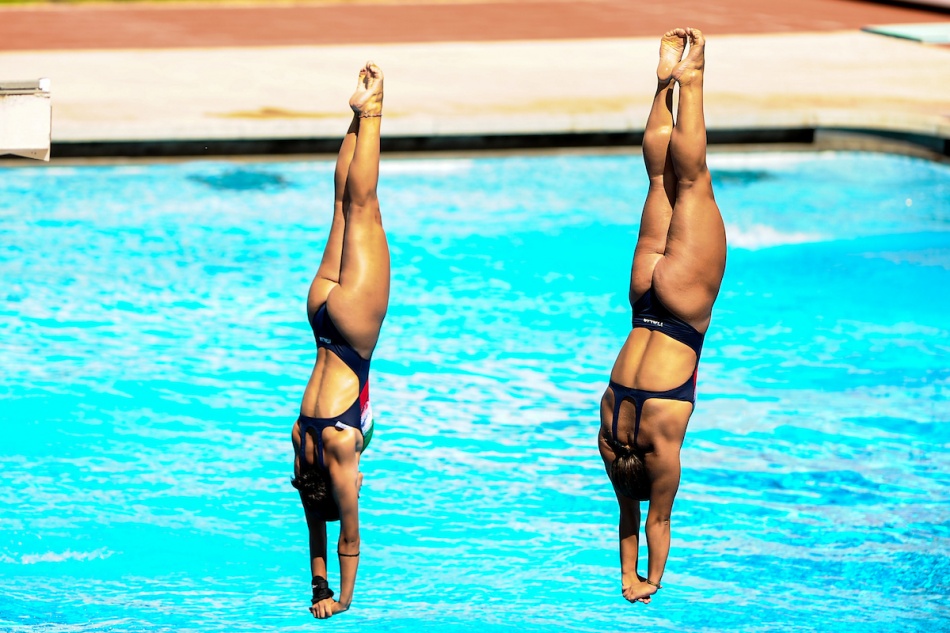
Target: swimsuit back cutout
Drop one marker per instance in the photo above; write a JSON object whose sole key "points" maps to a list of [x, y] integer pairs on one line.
{"points": [[358, 416], [650, 313], [685, 393]]}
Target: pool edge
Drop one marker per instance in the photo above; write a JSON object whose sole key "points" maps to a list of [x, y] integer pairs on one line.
{"points": [[790, 139]]}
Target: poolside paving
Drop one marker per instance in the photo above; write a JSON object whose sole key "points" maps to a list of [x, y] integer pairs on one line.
{"points": [[160, 72]]}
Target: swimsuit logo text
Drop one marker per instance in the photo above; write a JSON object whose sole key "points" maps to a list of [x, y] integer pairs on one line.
{"points": [[324, 339], [654, 322]]}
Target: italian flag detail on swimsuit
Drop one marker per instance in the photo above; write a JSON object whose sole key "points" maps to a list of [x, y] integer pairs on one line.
{"points": [[366, 416]]}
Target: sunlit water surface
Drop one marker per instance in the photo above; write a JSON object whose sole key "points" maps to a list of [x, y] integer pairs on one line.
{"points": [[155, 346]]}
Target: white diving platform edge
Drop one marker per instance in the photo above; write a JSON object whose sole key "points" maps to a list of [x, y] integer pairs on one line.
{"points": [[25, 118]]}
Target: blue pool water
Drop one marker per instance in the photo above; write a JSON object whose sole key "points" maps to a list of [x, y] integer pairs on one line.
{"points": [[154, 349]]}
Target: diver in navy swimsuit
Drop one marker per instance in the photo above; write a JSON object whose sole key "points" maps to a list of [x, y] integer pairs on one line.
{"points": [[678, 265], [346, 306]]}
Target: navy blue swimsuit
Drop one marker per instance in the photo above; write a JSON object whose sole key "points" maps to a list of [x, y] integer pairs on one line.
{"points": [[358, 415], [649, 313]]}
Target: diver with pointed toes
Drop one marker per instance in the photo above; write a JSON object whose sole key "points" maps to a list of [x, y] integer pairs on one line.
{"points": [[346, 306], [678, 266]]}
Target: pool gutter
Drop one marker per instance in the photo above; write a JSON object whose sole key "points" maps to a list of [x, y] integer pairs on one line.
{"points": [[802, 138]]}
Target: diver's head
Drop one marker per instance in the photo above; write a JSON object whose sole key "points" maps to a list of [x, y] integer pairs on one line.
{"points": [[629, 475], [314, 486]]}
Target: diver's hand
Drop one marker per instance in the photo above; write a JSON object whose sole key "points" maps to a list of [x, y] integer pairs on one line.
{"points": [[639, 591], [326, 608]]}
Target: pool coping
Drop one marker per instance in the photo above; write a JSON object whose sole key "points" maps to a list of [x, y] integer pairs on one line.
{"points": [[871, 139], [803, 140]]}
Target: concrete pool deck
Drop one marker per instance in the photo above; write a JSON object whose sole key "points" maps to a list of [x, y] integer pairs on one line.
{"points": [[170, 78]]}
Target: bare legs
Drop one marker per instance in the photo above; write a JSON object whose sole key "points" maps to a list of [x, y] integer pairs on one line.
{"points": [[658, 208], [681, 250], [328, 274], [353, 278]]}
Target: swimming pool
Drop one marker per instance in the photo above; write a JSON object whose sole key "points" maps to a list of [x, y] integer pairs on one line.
{"points": [[155, 347]]}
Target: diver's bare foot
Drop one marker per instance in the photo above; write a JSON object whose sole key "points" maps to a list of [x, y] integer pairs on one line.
{"points": [[367, 101], [672, 45], [691, 69]]}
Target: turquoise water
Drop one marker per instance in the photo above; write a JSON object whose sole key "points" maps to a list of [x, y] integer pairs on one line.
{"points": [[155, 346]]}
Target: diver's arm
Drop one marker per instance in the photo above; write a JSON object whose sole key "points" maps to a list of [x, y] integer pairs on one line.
{"points": [[629, 539], [346, 492], [662, 491], [629, 523], [663, 486], [318, 545], [318, 562]]}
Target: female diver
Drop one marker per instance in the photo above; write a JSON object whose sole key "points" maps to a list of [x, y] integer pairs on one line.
{"points": [[345, 306], [678, 265]]}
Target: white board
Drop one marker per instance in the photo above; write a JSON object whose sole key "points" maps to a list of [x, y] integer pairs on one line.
{"points": [[25, 118]]}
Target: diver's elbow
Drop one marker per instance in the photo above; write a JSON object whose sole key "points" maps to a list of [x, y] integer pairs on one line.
{"points": [[660, 522]]}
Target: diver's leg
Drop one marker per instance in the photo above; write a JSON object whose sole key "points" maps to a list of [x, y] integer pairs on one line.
{"points": [[629, 531], [359, 304], [687, 279], [655, 221], [328, 274], [658, 207]]}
